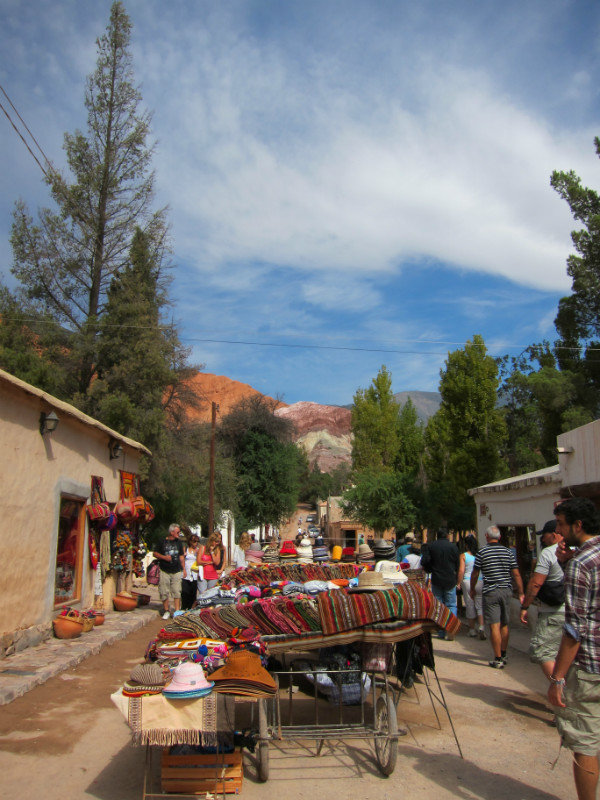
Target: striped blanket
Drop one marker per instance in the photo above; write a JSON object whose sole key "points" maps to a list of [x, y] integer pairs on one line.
{"points": [[266, 574], [340, 611]]}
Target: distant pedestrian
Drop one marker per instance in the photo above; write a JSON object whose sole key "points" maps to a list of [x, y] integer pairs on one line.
{"points": [[575, 682], [441, 559], [473, 606], [499, 568], [546, 588], [170, 555], [404, 548]]}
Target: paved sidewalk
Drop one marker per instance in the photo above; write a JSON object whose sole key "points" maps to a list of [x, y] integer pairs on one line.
{"points": [[21, 672]]}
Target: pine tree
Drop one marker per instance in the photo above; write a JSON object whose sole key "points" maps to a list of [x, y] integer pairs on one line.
{"points": [[66, 261]]}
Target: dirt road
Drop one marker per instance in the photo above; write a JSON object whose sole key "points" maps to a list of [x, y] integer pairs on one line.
{"points": [[65, 739]]}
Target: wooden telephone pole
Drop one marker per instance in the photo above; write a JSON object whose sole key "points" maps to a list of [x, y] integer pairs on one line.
{"points": [[211, 485]]}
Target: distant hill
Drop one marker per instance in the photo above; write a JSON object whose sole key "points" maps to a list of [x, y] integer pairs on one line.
{"points": [[323, 431], [425, 403], [227, 393]]}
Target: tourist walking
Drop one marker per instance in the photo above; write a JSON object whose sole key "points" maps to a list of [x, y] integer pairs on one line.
{"points": [[441, 559], [189, 582], [547, 590], [473, 606], [575, 682], [170, 556], [499, 568]]}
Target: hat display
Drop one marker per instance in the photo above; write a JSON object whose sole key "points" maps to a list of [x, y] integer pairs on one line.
{"points": [[383, 550], [244, 674], [271, 554], [288, 550], [365, 554], [391, 571], [255, 546], [320, 553], [369, 581], [348, 555], [336, 553], [254, 556], [549, 527], [145, 679], [305, 551], [188, 681]]}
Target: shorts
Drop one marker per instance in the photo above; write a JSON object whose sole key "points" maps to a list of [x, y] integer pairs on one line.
{"points": [[579, 723], [496, 606], [170, 585], [545, 641], [472, 607]]}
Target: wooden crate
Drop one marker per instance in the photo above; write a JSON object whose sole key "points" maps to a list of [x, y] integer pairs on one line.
{"points": [[197, 774]]}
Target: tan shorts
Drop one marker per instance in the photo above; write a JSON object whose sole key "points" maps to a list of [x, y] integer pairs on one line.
{"points": [[546, 638], [170, 585], [579, 723]]}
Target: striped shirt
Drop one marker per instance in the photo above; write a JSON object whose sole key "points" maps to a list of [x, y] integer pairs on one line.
{"points": [[495, 563], [582, 604]]}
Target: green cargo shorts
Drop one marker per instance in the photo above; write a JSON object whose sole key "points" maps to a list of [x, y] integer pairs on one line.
{"points": [[579, 723]]}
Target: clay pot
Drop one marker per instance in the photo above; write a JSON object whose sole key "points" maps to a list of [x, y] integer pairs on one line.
{"points": [[67, 627], [122, 602], [143, 599], [98, 619]]}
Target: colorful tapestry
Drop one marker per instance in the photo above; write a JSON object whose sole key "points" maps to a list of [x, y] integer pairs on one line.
{"points": [[266, 574], [97, 494], [340, 611], [130, 485]]}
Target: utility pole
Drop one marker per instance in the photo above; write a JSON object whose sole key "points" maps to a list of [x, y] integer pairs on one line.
{"points": [[211, 485]]}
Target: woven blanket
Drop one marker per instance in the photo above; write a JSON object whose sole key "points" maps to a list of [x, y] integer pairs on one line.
{"points": [[340, 611], [386, 632], [156, 720], [301, 573]]}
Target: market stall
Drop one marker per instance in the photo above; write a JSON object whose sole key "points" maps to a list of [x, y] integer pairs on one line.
{"points": [[267, 616]]}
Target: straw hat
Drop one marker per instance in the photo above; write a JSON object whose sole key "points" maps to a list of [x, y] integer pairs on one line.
{"points": [[370, 582]]}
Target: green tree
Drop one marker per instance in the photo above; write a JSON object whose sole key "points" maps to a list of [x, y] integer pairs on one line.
{"points": [[379, 500], [468, 432], [66, 261], [375, 425]]}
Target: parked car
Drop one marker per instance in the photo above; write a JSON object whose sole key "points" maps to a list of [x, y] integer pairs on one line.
{"points": [[313, 530], [311, 518]]}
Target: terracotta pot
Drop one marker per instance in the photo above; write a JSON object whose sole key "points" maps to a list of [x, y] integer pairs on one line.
{"points": [[143, 599], [98, 619], [67, 627], [123, 603]]}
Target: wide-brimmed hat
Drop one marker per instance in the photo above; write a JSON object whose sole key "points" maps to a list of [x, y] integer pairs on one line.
{"points": [[364, 551], [391, 571], [188, 680], [243, 674], [288, 549], [370, 582], [145, 679]]}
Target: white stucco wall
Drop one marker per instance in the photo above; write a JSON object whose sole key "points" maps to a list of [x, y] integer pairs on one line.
{"points": [[34, 471]]}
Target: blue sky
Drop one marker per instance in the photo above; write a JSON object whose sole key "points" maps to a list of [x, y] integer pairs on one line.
{"points": [[363, 182]]}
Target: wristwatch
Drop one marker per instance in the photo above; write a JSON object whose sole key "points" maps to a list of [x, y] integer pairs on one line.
{"points": [[557, 681]]}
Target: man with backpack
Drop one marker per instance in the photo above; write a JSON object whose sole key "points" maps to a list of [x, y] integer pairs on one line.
{"points": [[547, 587]]}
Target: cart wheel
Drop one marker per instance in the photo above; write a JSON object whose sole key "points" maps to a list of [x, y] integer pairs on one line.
{"points": [[386, 734], [263, 745]]}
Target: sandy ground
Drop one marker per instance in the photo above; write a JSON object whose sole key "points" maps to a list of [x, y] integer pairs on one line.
{"points": [[65, 739]]}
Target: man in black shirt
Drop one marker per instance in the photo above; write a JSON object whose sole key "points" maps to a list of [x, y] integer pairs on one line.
{"points": [[170, 556], [442, 560]]}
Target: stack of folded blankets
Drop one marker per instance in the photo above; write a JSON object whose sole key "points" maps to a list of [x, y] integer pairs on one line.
{"points": [[384, 550], [288, 551], [305, 552], [188, 681], [365, 554], [243, 674], [255, 554], [348, 555], [271, 554], [319, 551]]}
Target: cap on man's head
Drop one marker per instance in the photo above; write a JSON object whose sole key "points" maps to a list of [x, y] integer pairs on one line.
{"points": [[409, 537], [493, 532], [549, 527]]}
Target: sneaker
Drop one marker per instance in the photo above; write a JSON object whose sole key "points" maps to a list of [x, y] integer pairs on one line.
{"points": [[472, 633], [482, 634], [497, 663], [504, 660], [166, 615]]}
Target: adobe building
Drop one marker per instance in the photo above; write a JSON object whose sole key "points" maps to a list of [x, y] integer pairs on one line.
{"points": [[50, 452], [522, 504]]}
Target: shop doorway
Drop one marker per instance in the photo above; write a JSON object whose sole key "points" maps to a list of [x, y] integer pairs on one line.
{"points": [[69, 551], [520, 539]]}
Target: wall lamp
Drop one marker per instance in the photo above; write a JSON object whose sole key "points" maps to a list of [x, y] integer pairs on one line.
{"points": [[563, 450], [48, 422], [115, 449]]}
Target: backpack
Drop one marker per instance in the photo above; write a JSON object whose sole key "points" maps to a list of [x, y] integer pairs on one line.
{"points": [[153, 573]]}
